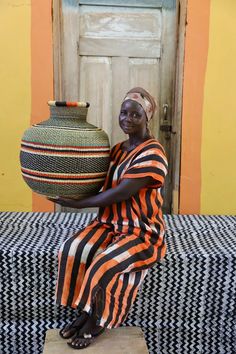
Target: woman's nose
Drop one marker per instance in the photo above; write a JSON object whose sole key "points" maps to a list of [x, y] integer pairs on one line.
{"points": [[128, 117]]}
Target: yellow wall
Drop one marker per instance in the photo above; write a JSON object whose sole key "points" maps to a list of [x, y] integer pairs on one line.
{"points": [[218, 153], [15, 93]]}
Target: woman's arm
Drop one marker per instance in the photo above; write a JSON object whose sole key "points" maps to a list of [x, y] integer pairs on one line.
{"points": [[126, 189]]}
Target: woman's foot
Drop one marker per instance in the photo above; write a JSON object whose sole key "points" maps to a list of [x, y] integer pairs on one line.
{"points": [[74, 326], [86, 335]]}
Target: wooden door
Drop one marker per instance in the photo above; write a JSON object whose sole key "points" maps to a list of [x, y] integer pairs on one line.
{"points": [[107, 47]]}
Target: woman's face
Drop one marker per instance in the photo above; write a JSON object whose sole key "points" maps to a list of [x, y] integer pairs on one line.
{"points": [[132, 118]]}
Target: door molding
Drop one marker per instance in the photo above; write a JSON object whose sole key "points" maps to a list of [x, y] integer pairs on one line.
{"points": [[65, 36], [131, 3], [178, 102]]}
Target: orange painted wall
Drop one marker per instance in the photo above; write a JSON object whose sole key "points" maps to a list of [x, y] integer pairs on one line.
{"points": [[196, 51], [41, 74]]}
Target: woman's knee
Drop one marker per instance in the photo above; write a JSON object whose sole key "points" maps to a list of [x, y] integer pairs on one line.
{"points": [[99, 268]]}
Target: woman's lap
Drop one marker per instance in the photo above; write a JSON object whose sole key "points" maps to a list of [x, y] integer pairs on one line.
{"points": [[97, 256]]}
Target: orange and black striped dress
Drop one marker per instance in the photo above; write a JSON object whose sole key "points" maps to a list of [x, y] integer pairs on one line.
{"points": [[114, 252]]}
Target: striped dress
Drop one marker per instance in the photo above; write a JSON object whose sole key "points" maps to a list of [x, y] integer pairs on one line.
{"points": [[114, 252]]}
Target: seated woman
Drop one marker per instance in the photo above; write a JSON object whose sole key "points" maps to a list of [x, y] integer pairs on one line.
{"points": [[102, 266]]}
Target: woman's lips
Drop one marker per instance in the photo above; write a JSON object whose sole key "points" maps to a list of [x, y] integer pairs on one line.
{"points": [[127, 126]]}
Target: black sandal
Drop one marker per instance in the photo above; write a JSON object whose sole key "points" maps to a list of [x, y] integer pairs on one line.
{"points": [[75, 326], [89, 337]]}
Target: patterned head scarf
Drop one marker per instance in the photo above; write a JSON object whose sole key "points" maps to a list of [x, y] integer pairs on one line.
{"points": [[144, 98]]}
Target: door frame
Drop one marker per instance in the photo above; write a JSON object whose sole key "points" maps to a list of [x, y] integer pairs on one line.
{"points": [[64, 17], [181, 13]]}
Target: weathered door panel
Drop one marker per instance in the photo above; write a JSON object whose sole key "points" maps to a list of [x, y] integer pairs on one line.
{"points": [[129, 41]]}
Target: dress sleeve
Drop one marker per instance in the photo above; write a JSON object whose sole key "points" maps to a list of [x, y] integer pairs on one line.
{"points": [[150, 162]]}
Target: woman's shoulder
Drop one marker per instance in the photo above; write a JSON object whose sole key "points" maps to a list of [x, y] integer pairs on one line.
{"points": [[152, 144], [115, 148], [119, 146]]}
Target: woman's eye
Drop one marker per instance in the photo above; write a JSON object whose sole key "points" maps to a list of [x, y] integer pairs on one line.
{"points": [[134, 115]]}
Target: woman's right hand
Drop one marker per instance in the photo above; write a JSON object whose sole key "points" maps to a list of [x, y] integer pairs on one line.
{"points": [[65, 202]]}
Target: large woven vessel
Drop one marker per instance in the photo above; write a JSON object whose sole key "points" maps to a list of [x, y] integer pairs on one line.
{"points": [[65, 155]]}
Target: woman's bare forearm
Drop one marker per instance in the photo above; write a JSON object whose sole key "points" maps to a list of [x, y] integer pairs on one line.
{"points": [[101, 199], [122, 192]]}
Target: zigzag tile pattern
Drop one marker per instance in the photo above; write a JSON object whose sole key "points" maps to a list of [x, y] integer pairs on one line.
{"points": [[187, 303]]}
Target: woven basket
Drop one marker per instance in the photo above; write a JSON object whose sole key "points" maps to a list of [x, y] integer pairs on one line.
{"points": [[65, 155]]}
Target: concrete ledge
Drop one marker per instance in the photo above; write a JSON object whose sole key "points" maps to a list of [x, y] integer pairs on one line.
{"points": [[123, 340]]}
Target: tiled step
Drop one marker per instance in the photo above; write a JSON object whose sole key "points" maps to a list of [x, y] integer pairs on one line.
{"points": [[124, 340]]}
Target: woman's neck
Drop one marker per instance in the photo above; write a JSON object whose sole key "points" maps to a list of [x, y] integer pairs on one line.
{"points": [[135, 140]]}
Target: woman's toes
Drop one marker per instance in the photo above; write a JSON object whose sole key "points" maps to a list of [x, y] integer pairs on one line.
{"points": [[77, 343], [80, 342], [72, 339]]}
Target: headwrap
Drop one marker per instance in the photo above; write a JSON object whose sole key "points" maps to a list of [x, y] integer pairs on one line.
{"points": [[144, 98]]}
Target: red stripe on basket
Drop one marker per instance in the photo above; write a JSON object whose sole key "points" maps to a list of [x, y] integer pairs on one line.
{"points": [[71, 104], [67, 146], [58, 176], [62, 182], [76, 153]]}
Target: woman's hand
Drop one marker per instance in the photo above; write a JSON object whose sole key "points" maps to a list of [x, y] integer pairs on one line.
{"points": [[65, 202]]}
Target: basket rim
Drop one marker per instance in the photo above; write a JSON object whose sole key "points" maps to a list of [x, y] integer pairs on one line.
{"points": [[68, 104]]}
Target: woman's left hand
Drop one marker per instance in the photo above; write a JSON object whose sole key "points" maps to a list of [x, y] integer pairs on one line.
{"points": [[65, 202]]}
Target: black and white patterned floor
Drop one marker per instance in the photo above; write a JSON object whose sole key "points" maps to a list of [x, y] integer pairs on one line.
{"points": [[187, 304]]}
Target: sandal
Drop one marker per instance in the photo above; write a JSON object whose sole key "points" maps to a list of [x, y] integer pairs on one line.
{"points": [[86, 339], [74, 327]]}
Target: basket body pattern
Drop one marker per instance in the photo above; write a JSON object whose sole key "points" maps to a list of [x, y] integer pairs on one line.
{"points": [[65, 155]]}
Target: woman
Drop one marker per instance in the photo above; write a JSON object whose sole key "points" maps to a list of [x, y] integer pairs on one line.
{"points": [[102, 266]]}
